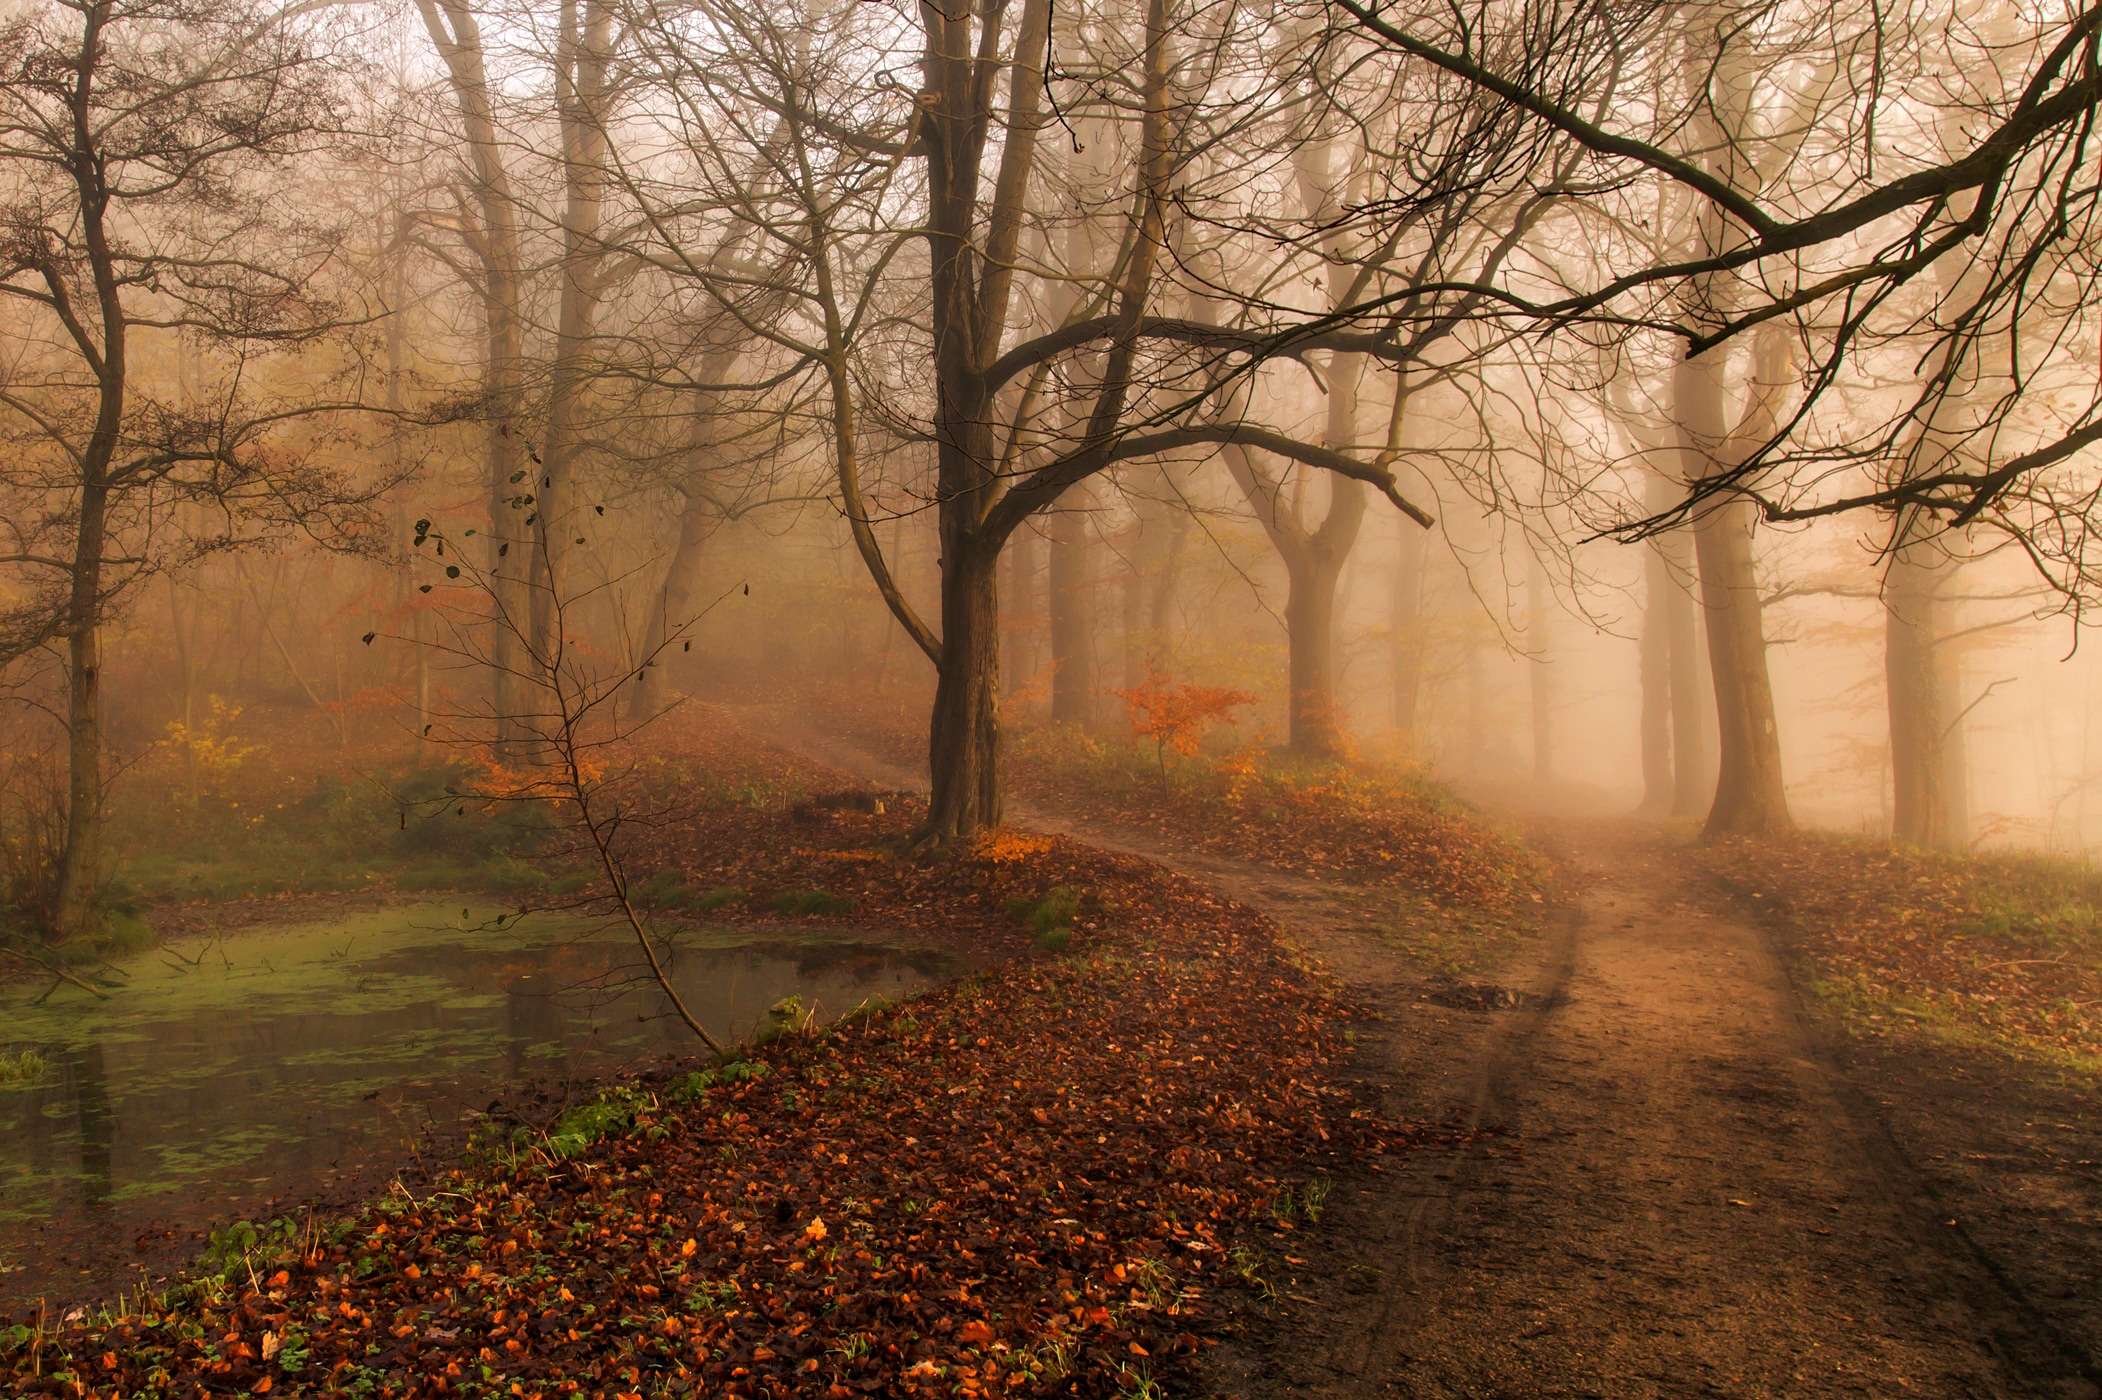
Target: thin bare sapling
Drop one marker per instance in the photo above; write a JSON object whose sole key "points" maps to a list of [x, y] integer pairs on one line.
{"points": [[562, 747]]}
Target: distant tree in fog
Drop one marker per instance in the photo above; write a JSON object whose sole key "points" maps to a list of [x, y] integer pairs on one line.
{"points": [[911, 240], [486, 217], [1832, 168], [165, 338]]}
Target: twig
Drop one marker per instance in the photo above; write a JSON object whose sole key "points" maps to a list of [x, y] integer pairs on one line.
{"points": [[616, 876], [60, 973]]}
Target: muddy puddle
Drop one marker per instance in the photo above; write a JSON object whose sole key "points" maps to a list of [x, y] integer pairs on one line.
{"points": [[273, 1066]]}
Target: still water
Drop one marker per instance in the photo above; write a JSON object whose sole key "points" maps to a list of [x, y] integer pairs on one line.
{"points": [[270, 1062]]}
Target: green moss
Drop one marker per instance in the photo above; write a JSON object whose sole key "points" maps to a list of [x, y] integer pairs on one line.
{"points": [[613, 1111], [695, 1086], [810, 902], [23, 1067], [1050, 919], [667, 889]]}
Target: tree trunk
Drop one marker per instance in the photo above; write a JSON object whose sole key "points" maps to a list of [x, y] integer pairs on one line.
{"points": [[1018, 650], [1749, 799], [1132, 610], [1313, 559], [963, 747], [1656, 684], [1912, 683], [1405, 624], [1316, 730], [580, 83], [510, 539], [1162, 606], [1692, 710], [186, 677], [457, 37], [1675, 769], [1955, 750], [1072, 609], [80, 868], [418, 626], [1543, 683], [668, 610]]}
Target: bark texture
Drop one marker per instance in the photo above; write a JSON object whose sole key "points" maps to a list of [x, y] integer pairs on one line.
{"points": [[491, 231], [1405, 631], [1914, 690], [1073, 608], [1749, 797]]}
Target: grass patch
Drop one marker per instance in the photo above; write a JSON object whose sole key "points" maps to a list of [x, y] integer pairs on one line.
{"points": [[810, 903], [2000, 950], [413, 828], [1050, 919], [22, 1067], [613, 1111]]}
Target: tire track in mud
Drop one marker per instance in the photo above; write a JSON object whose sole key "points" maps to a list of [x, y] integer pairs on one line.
{"points": [[1673, 1190]]}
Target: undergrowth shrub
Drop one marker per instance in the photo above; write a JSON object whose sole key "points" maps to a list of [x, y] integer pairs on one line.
{"points": [[812, 902], [1050, 919]]}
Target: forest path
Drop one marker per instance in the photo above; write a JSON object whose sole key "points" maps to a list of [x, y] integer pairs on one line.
{"points": [[1681, 1197], [1675, 1193]]}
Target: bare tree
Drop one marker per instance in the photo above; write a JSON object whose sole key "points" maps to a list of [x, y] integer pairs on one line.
{"points": [[486, 216], [140, 140], [937, 350]]}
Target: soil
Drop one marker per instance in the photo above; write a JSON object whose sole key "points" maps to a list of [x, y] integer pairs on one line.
{"points": [[1684, 1181], [1688, 1192]]}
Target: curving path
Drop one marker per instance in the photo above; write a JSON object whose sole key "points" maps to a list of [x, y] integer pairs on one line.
{"points": [[1675, 1195]]}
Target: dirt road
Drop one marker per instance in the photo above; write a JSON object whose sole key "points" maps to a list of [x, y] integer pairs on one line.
{"points": [[1677, 1192], [1683, 1198]]}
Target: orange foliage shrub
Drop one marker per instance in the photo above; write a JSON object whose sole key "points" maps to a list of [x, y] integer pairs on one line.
{"points": [[1174, 717]]}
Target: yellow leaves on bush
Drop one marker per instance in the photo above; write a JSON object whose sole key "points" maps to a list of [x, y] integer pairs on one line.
{"points": [[209, 744]]}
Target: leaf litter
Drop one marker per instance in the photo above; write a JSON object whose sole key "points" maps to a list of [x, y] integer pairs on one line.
{"points": [[1027, 1182], [2001, 948]]}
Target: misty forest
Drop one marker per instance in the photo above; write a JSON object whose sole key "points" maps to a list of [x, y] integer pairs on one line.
{"points": [[1133, 698]]}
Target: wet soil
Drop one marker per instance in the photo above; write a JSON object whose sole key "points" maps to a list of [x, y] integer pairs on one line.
{"points": [[100, 1256], [1684, 1179]]}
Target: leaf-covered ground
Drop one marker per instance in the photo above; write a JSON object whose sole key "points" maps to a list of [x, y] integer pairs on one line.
{"points": [[1341, 821], [2004, 950], [1026, 1183], [1330, 822]]}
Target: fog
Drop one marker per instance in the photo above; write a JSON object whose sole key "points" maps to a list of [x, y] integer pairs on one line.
{"points": [[720, 697], [1315, 365]]}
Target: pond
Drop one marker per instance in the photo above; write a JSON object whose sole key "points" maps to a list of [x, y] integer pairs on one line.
{"points": [[281, 1063]]}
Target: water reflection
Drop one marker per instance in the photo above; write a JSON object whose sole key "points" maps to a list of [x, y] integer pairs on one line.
{"points": [[281, 1054], [91, 1101]]}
